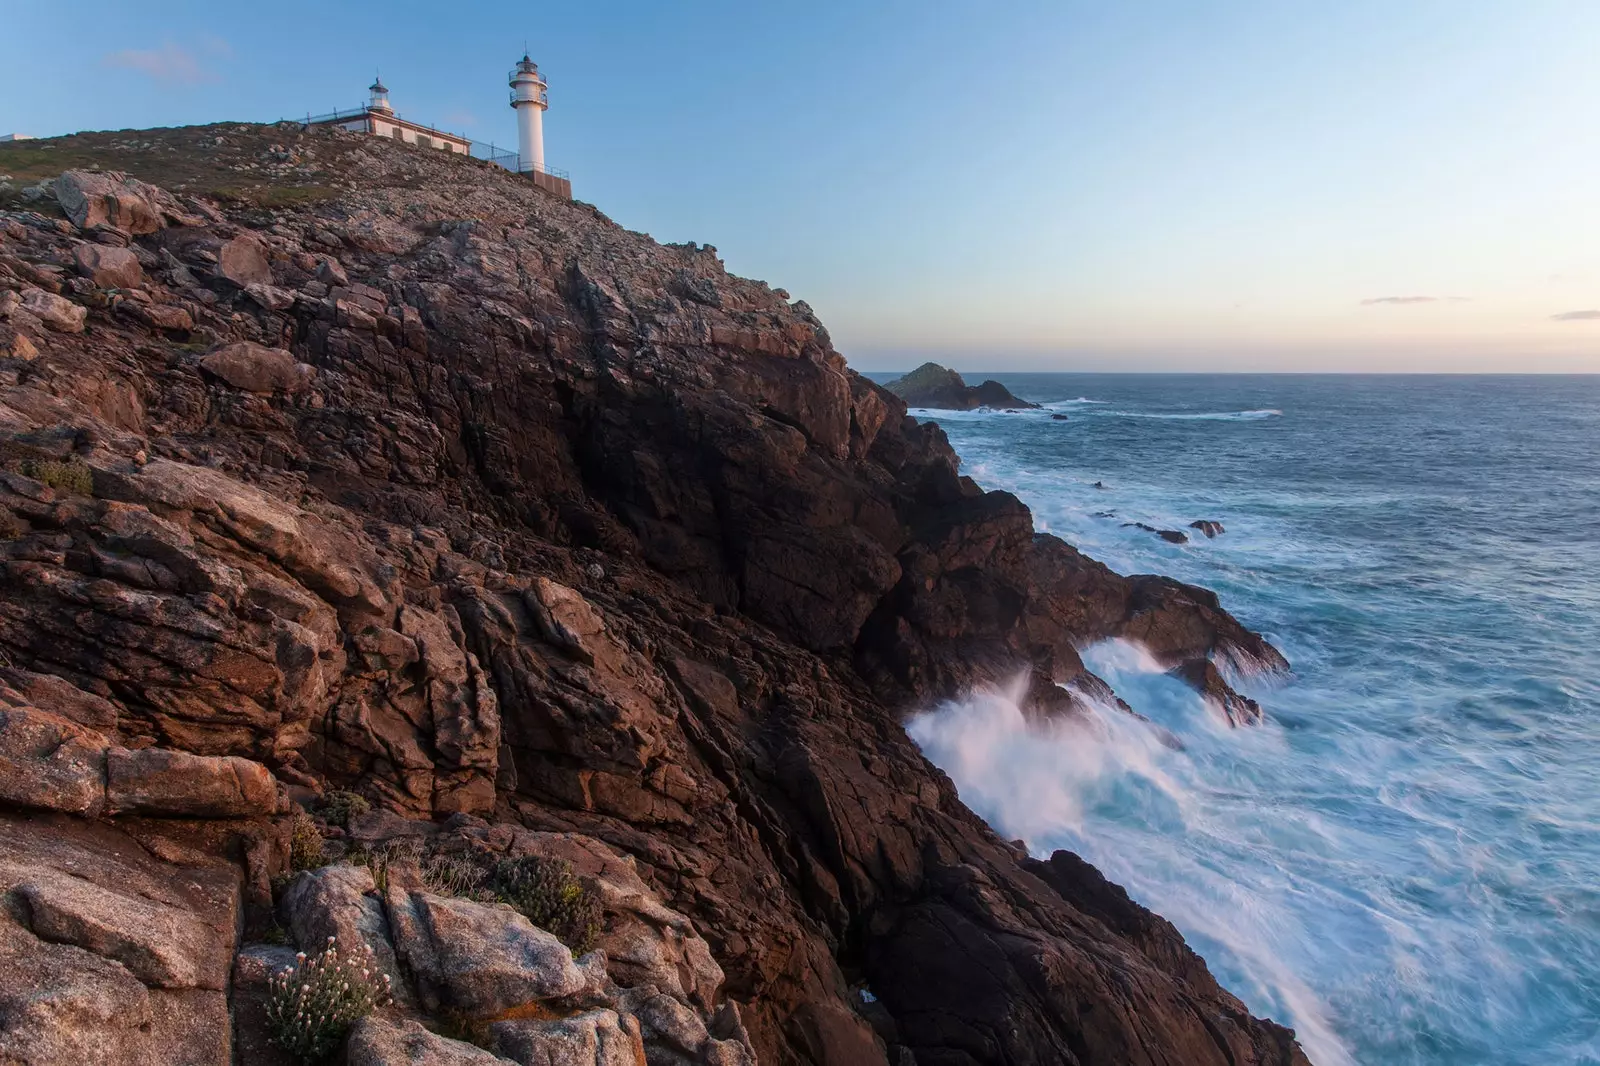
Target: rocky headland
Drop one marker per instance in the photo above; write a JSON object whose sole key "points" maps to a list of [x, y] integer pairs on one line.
{"points": [[940, 388], [381, 533]]}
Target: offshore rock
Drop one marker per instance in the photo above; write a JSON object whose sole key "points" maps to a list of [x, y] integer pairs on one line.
{"points": [[931, 385], [572, 544]]}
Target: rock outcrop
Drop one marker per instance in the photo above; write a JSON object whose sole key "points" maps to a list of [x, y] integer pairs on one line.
{"points": [[546, 539], [934, 386]]}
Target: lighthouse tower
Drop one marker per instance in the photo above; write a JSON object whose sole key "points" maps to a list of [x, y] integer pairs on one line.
{"points": [[530, 98]]}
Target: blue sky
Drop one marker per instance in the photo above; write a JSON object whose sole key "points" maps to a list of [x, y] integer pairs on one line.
{"points": [[1405, 185]]}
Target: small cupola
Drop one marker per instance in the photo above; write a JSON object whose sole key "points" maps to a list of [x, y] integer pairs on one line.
{"points": [[380, 96]]}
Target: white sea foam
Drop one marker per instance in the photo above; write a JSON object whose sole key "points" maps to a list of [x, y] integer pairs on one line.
{"points": [[1107, 786], [1204, 416]]}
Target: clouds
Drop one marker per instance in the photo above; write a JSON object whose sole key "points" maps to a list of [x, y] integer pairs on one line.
{"points": [[1415, 300], [1576, 316], [173, 64]]}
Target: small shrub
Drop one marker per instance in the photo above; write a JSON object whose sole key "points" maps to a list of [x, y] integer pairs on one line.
{"points": [[379, 859], [73, 475], [456, 875], [551, 896], [339, 806], [310, 1006], [443, 873], [305, 843]]}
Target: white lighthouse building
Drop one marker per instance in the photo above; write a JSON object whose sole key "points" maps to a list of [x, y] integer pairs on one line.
{"points": [[530, 99]]}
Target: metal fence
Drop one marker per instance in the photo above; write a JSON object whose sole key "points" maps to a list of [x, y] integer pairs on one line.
{"points": [[511, 161]]}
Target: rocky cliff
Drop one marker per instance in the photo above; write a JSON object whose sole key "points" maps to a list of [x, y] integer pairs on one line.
{"points": [[335, 464]]}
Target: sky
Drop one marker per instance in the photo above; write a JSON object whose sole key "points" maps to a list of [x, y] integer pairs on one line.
{"points": [[1405, 185]]}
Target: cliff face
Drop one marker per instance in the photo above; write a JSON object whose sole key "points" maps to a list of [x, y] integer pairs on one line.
{"points": [[435, 487]]}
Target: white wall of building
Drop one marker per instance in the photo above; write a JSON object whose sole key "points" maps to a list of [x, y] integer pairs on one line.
{"points": [[379, 128]]}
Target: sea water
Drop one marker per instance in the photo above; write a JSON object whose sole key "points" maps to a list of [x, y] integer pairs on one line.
{"points": [[1403, 862]]}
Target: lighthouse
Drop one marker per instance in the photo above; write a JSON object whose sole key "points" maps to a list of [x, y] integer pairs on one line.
{"points": [[530, 98]]}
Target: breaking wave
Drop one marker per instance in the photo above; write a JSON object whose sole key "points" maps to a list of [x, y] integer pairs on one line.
{"points": [[1204, 416], [1112, 788]]}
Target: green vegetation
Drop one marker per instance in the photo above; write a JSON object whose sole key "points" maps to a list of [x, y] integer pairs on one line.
{"points": [[70, 475], [339, 806], [305, 843], [551, 896], [312, 1005], [545, 891]]}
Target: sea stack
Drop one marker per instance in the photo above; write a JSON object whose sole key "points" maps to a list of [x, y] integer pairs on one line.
{"points": [[940, 388]]}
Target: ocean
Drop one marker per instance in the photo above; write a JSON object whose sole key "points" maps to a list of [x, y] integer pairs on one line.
{"points": [[1403, 862]]}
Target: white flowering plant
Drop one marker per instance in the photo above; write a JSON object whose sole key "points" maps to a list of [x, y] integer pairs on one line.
{"points": [[312, 1004]]}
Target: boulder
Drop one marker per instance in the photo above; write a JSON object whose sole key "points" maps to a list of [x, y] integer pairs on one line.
{"points": [[270, 297], [591, 1038], [50, 762], [256, 368], [110, 200], [478, 958], [331, 272], [56, 312], [163, 946], [109, 267], [1207, 526], [178, 784], [110, 955], [161, 316], [15, 344], [243, 261], [377, 1041], [63, 1005]]}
